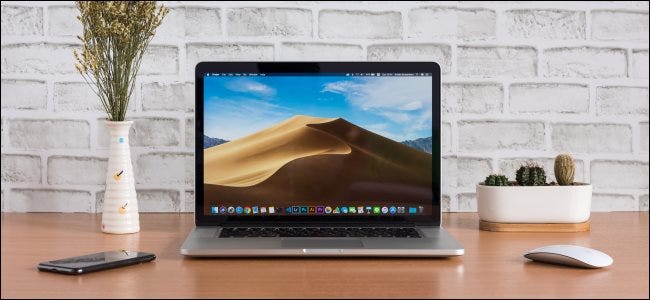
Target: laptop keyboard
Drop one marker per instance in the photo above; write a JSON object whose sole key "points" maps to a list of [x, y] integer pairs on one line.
{"points": [[241, 232]]}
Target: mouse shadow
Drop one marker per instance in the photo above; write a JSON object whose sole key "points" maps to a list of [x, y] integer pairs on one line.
{"points": [[531, 264]]}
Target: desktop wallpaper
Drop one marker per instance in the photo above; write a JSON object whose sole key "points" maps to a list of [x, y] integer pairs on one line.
{"points": [[317, 141]]}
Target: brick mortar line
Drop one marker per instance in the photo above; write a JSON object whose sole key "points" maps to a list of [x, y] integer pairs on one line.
{"points": [[615, 157], [505, 99], [537, 154], [500, 24], [314, 24], [46, 21], [406, 22], [453, 56], [593, 95], [636, 138], [137, 90], [223, 15], [628, 59], [548, 142], [588, 24], [542, 44]]}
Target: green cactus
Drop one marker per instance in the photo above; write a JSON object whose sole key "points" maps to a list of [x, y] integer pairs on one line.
{"points": [[531, 174], [564, 169], [496, 180]]}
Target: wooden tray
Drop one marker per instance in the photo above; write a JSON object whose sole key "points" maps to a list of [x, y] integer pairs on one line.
{"points": [[534, 227]]}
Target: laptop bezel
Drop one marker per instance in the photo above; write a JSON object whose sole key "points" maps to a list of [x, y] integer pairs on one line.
{"points": [[202, 68]]}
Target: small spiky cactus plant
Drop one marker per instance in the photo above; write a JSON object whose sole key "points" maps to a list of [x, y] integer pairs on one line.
{"points": [[564, 169], [531, 174], [496, 180]]}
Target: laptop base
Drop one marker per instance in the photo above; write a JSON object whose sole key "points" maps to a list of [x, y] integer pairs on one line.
{"points": [[436, 242]]}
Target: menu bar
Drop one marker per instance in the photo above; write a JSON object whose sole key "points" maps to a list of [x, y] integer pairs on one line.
{"points": [[355, 74]]}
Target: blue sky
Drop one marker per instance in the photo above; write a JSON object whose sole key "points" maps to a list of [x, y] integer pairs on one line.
{"points": [[398, 108]]}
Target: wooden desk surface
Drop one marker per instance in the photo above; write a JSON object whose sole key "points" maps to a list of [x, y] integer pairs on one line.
{"points": [[493, 265]]}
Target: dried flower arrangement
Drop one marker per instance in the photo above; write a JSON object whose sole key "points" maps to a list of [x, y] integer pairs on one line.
{"points": [[115, 37]]}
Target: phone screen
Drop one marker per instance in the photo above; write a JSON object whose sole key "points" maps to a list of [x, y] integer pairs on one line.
{"points": [[96, 261]]}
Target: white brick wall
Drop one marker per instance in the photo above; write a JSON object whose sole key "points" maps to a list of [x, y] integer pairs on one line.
{"points": [[413, 52], [63, 21], [359, 24], [24, 94], [463, 172], [488, 61], [451, 22], [643, 134], [591, 138], [472, 98], [37, 58], [643, 202], [188, 206], [619, 25], [18, 168], [617, 100], [250, 21], [549, 98], [158, 96], [320, 52], [47, 200], [613, 202], [545, 24], [75, 96], [160, 60], [76, 170], [21, 20], [48, 134], [202, 22], [486, 136], [587, 62], [639, 64], [521, 80], [619, 174], [197, 52], [165, 168]]}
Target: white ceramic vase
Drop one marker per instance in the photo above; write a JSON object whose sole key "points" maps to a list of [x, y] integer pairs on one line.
{"points": [[120, 213], [534, 204]]}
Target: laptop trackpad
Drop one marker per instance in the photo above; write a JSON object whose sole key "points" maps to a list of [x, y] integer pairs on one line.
{"points": [[321, 244]]}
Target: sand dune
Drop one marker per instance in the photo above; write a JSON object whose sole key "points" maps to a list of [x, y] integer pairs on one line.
{"points": [[252, 159], [316, 160]]}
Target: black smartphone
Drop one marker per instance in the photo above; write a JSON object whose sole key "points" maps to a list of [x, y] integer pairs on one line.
{"points": [[96, 262]]}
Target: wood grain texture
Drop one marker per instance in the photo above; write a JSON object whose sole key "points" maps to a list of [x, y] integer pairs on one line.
{"points": [[493, 266], [534, 227]]}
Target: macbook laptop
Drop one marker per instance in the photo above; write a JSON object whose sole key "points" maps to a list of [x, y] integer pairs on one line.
{"points": [[318, 159]]}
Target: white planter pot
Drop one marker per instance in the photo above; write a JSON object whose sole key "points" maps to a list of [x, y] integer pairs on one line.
{"points": [[120, 213], [534, 204]]}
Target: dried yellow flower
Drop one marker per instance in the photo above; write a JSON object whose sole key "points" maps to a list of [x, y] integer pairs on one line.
{"points": [[115, 37]]}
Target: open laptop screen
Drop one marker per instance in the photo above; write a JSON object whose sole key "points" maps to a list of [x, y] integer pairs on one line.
{"points": [[318, 144]]}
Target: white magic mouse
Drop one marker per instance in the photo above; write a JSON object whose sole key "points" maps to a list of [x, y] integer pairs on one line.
{"points": [[570, 255]]}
